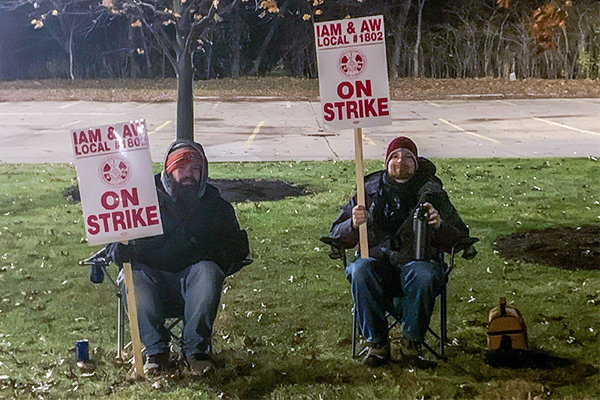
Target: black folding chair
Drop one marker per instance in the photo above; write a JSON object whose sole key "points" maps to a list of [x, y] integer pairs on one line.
{"points": [[337, 252], [174, 315]]}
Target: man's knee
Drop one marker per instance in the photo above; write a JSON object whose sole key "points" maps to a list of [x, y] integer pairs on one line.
{"points": [[205, 272], [424, 275], [361, 270]]}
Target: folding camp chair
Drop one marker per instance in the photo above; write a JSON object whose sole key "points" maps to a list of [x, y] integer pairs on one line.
{"points": [[337, 252], [174, 315]]}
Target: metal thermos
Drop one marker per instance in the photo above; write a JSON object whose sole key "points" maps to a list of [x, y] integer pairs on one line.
{"points": [[420, 232]]}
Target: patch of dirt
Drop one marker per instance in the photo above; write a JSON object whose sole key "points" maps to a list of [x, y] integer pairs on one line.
{"points": [[292, 89], [565, 247], [240, 190], [234, 190]]}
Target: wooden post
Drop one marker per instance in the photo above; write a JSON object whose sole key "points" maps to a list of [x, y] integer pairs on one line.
{"points": [[136, 343], [360, 190]]}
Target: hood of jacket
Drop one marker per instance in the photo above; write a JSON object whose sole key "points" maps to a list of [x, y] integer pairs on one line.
{"points": [[167, 179]]}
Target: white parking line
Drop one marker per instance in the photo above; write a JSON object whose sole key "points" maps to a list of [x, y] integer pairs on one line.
{"points": [[467, 132], [432, 103], [251, 137], [288, 105], [142, 106], [368, 140], [70, 123], [69, 105], [506, 102], [216, 104], [160, 127], [565, 126]]}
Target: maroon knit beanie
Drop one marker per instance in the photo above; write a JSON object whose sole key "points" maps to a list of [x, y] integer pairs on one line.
{"points": [[401, 142]]}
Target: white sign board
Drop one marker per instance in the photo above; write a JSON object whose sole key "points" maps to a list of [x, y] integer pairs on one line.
{"points": [[116, 182], [353, 79]]}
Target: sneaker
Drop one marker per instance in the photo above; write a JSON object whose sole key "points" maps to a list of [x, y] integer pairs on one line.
{"points": [[377, 355], [156, 364], [410, 349], [199, 363]]}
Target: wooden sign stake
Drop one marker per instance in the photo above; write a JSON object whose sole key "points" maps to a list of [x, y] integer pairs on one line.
{"points": [[360, 190], [136, 343]]}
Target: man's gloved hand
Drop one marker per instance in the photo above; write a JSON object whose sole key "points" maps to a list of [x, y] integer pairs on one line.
{"points": [[119, 253]]}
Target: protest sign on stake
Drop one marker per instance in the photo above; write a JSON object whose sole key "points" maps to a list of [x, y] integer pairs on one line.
{"points": [[353, 85], [118, 196]]}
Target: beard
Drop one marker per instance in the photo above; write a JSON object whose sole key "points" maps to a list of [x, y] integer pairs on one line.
{"points": [[403, 172], [186, 189]]}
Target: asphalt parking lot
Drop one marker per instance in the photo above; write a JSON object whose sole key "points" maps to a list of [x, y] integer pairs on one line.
{"points": [[38, 132]]}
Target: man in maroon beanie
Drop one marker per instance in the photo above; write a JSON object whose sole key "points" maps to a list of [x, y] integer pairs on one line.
{"points": [[184, 268], [392, 197]]}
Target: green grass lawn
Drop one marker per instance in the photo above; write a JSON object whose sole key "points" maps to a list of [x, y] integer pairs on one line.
{"points": [[284, 328]]}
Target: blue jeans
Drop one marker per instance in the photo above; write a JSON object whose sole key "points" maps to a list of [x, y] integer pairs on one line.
{"points": [[193, 294], [374, 286]]}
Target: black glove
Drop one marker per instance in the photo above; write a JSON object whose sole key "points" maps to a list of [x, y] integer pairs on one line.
{"points": [[119, 253]]}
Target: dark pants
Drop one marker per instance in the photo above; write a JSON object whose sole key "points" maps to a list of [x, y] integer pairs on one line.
{"points": [[375, 285], [193, 293]]}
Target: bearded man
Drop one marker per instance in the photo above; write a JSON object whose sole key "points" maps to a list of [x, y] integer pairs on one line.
{"points": [[392, 196], [184, 268]]}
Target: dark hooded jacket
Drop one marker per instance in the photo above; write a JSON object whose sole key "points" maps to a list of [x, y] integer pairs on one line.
{"points": [[201, 230], [391, 236]]}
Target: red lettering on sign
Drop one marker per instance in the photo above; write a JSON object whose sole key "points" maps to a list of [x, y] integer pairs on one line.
{"points": [[121, 220], [346, 90], [329, 30], [111, 200], [90, 137], [127, 197], [151, 215], [371, 25], [126, 131], [114, 200], [356, 109]]}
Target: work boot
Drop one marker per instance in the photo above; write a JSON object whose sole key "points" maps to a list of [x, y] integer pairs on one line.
{"points": [[410, 349], [156, 364], [199, 363], [377, 355]]}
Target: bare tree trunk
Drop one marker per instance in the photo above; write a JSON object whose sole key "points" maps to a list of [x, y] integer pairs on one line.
{"points": [[397, 28], [71, 55], [234, 44], [133, 67], [185, 96], [185, 79], [417, 52], [264, 46]]}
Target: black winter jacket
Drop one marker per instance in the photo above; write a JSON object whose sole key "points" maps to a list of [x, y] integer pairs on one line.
{"points": [[206, 230], [399, 247]]}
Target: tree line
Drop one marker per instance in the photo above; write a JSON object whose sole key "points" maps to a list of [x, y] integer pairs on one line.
{"points": [[90, 39]]}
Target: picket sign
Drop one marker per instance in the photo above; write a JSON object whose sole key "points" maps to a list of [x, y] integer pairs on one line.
{"points": [[118, 196], [353, 85]]}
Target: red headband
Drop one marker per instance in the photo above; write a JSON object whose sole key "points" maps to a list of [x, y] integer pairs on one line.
{"points": [[181, 156]]}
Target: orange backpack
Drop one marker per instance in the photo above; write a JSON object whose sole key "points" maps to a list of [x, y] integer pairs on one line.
{"points": [[506, 328]]}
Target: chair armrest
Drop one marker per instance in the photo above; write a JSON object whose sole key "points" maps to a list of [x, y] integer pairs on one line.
{"points": [[466, 245], [337, 250]]}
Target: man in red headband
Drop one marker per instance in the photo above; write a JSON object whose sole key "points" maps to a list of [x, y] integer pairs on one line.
{"points": [[392, 197], [183, 269]]}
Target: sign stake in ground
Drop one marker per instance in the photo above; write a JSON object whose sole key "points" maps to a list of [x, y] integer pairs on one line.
{"points": [[118, 196], [353, 84]]}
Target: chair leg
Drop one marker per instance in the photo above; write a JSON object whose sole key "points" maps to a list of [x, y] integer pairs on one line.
{"points": [[443, 321], [354, 329], [120, 326]]}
